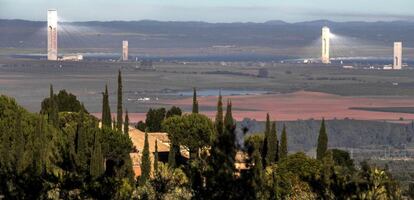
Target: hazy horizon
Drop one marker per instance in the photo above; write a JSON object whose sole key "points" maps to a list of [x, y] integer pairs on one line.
{"points": [[212, 11]]}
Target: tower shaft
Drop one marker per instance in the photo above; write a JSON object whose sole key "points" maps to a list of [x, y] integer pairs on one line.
{"points": [[326, 37], [397, 55], [52, 19]]}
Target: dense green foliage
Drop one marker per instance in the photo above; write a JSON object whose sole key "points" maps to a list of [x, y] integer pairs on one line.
{"points": [[194, 131], [154, 119], [65, 102], [174, 111], [41, 161], [66, 155]]}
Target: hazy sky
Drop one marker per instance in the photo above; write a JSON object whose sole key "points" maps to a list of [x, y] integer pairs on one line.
{"points": [[211, 10]]}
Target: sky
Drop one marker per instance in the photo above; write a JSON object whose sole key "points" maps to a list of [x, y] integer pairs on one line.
{"points": [[210, 10]]}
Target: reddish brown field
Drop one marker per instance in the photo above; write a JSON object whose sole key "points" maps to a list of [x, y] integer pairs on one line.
{"points": [[301, 105]]}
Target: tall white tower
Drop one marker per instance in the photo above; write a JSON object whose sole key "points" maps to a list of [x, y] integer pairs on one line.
{"points": [[326, 37], [397, 55], [125, 50], [52, 20]]}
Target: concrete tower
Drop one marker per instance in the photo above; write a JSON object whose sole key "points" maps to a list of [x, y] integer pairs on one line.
{"points": [[326, 37], [52, 20], [125, 50], [397, 55]]}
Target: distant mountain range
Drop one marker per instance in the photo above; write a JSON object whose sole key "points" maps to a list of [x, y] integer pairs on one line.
{"points": [[149, 34]]}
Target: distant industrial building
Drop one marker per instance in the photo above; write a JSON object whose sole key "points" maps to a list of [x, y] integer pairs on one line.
{"points": [[77, 57], [52, 20], [397, 55], [326, 37], [125, 50]]}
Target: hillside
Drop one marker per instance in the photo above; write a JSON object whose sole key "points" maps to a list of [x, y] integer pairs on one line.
{"points": [[156, 34]]}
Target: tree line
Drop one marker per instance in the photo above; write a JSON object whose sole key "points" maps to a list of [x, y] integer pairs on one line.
{"points": [[63, 152]]}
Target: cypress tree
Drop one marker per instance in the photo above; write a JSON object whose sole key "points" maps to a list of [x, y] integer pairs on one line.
{"points": [[53, 112], [106, 110], [119, 106], [228, 118], [222, 159], [195, 102], [38, 159], [126, 123], [19, 143], [257, 171], [145, 162], [219, 124], [172, 155], [81, 143], [266, 137], [272, 145], [97, 161], [156, 157], [283, 144], [322, 142]]}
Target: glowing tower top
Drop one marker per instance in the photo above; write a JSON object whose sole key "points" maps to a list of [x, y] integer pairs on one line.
{"points": [[52, 20], [326, 37]]}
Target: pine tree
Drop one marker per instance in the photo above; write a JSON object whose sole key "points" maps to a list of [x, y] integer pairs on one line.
{"points": [[322, 142], [145, 162], [272, 146], [119, 106], [283, 144], [219, 124], [195, 102], [106, 110], [266, 137], [126, 123], [156, 157], [97, 161]]}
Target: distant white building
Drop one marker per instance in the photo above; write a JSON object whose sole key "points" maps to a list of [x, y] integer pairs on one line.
{"points": [[397, 55], [77, 57]]}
